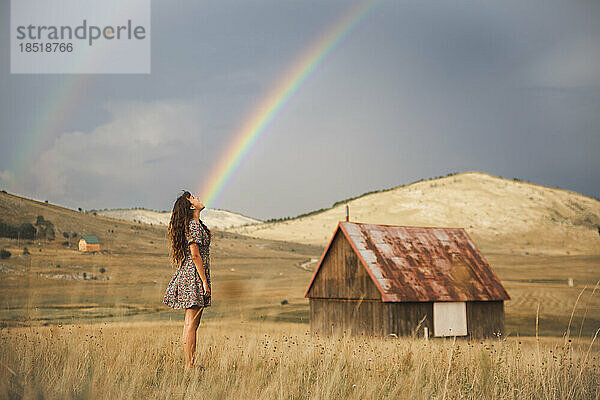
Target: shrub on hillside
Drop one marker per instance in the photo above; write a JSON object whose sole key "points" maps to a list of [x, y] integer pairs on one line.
{"points": [[25, 251], [27, 231], [23, 231], [45, 228], [8, 231], [47, 232]]}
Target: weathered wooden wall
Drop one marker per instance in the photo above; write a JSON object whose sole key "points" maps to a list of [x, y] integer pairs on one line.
{"points": [[368, 317], [353, 317], [403, 318], [342, 276], [485, 318]]}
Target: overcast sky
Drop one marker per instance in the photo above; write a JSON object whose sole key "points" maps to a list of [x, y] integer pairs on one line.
{"points": [[419, 89]]}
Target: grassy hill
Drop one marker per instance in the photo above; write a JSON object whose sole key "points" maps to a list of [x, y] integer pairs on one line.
{"points": [[127, 278], [113, 234], [502, 215], [217, 219], [253, 276]]}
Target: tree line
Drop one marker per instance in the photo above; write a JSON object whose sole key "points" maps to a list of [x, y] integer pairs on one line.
{"points": [[43, 229]]}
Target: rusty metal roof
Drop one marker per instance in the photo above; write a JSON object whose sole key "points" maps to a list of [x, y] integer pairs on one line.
{"points": [[410, 263]]}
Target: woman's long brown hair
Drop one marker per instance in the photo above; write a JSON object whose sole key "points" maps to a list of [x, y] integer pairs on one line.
{"points": [[179, 227]]}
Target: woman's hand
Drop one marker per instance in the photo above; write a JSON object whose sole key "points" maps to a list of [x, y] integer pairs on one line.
{"points": [[206, 288]]}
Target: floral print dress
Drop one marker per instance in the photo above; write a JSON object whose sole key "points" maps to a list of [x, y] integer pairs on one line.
{"points": [[185, 288]]}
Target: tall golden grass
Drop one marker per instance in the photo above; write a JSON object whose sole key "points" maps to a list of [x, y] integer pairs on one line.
{"points": [[285, 361]]}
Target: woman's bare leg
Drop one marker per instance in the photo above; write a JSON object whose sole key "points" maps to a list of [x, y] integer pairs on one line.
{"points": [[190, 325]]}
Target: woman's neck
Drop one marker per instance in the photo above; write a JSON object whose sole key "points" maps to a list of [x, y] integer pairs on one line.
{"points": [[196, 215]]}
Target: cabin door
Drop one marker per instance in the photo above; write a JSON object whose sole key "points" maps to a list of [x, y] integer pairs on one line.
{"points": [[450, 319]]}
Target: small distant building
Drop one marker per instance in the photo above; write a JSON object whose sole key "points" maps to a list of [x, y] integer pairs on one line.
{"points": [[399, 280], [89, 243]]}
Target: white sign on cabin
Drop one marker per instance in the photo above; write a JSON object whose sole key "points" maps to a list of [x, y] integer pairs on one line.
{"points": [[450, 319]]}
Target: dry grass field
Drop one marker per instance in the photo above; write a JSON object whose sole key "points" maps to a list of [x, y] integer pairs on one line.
{"points": [[245, 360], [252, 277], [110, 336]]}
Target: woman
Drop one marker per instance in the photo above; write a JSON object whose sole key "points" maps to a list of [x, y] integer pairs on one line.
{"points": [[189, 288]]}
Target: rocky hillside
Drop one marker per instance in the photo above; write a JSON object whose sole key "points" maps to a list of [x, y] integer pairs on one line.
{"points": [[501, 215], [218, 219]]}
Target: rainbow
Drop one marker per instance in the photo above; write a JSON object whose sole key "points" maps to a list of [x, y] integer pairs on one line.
{"points": [[51, 119], [59, 107], [272, 104]]}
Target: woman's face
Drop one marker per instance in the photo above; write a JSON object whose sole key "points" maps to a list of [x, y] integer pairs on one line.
{"points": [[196, 202]]}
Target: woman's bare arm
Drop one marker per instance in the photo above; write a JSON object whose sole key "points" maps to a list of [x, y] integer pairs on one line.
{"points": [[197, 258]]}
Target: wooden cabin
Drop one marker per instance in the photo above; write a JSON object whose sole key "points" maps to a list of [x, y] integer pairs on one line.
{"points": [[399, 280], [89, 243]]}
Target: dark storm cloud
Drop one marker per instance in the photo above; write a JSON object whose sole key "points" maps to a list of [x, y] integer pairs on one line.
{"points": [[420, 89]]}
